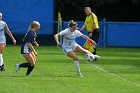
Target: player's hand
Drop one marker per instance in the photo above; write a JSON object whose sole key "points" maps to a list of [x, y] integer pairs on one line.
{"points": [[94, 43], [14, 41], [90, 34], [59, 45], [37, 45]]}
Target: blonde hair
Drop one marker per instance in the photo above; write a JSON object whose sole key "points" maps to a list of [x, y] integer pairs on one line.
{"points": [[33, 24], [1, 13]]}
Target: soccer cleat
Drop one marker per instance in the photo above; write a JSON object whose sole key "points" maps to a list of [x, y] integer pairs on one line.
{"points": [[17, 68], [80, 75], [96, 57], [27, 75], [2, 68]]}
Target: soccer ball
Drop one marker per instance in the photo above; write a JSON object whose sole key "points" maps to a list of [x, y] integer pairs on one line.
{"points": [[90, 57]]}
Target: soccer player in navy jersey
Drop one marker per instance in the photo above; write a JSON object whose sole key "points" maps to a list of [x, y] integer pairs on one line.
{"points": [[27, 48]]}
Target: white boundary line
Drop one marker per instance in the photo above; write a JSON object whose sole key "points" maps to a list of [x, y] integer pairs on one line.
{"points": [[116, 75], [113, 74]]}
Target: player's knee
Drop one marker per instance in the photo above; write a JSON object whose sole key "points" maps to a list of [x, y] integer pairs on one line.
{"points": [[33, 64], [1, 51], [75, 58]]}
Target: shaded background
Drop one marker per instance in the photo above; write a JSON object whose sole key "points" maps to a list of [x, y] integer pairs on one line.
{"points": [[113, 10], [121, 28]]}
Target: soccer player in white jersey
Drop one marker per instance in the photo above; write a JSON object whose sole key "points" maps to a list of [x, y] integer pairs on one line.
{"points": [[3, 26], [69, 45]]}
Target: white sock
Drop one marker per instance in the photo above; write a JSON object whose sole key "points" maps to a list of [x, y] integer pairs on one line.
{"points": [[1, 60], [77, 67]]}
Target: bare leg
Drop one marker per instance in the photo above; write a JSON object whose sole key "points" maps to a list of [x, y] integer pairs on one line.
{"points": [[30, 59], [2, 46], [29, 64], [82, 50], [72, 55]]}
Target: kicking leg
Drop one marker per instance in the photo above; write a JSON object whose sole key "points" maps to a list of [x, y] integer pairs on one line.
{"points": [[82, 50]]}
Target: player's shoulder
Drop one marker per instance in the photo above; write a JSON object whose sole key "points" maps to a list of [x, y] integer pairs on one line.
{"points": [[77, 31], [93, 14], [2, 22], [30, 32], [67, 29]]}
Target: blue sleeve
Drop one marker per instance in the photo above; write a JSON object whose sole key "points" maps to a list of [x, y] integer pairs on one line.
{"points": [[30, 38]]}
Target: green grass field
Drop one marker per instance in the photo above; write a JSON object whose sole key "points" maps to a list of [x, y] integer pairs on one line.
{"points": [[118, 71]]}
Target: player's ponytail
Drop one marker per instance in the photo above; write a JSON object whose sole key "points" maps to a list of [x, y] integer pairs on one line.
{"points": [[33, 24], [29, 28], [72, 23]]}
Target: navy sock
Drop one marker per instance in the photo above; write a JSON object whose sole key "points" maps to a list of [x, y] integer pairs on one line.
{"points": [[29, 70], [25, 65], [2, 66]]}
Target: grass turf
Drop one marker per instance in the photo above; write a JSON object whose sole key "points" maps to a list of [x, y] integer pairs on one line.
{"points": [[118, 71]]}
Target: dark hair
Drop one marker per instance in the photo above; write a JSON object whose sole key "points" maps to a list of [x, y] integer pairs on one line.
{"points": [[72, 23]]}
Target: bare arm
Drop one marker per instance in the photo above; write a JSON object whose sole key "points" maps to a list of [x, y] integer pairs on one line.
{"points": [[56, 36], [10, 34], [82, 28], [32, 48], [86, 37], [36, 44]]}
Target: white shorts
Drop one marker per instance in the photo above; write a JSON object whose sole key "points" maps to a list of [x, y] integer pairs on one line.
{"points": [[69, 48], [2, 40], [25, 49]]}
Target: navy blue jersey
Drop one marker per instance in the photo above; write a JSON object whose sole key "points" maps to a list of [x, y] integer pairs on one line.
{"points": [[30, 37]]}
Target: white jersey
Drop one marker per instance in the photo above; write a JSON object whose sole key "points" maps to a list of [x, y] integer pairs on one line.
{"points": [[69, 37], [2, 36]]}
